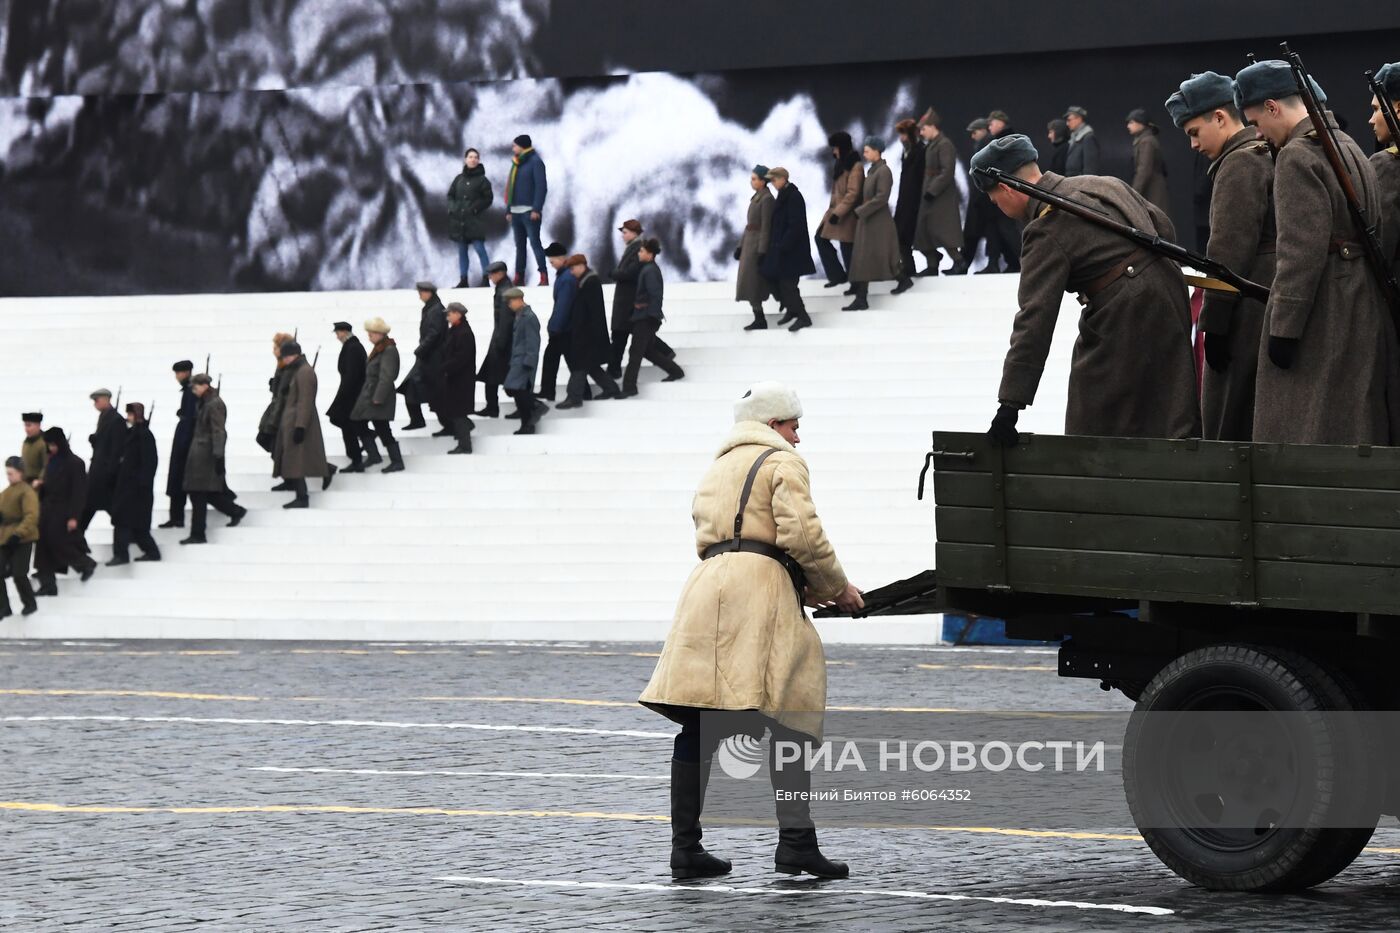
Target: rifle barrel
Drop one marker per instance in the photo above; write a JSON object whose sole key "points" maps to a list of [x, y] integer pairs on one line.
{"points": [[1392, 121]]}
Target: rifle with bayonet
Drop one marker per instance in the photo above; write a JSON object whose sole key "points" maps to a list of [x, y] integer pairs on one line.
{"points": [[1387, 108], [1366, 230], [316, 359], [207, 357], [1148, 241]]}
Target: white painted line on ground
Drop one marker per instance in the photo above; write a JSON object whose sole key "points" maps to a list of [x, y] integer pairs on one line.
{"points": [[830, 890], [510, 774], [363, 723]]}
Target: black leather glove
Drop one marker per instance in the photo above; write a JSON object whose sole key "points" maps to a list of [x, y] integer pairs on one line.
{"points": [[219, 465], [833, 219], [265, 441], [928, 197], [1282, 351], [738, 251], [1218, 352], [13, 541], [1003, 429], [298, 435]]}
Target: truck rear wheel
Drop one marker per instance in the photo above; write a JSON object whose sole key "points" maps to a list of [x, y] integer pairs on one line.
{"points": [[1209, 793]]}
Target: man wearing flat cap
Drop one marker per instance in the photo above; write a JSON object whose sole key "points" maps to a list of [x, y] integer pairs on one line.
{"points": [[1149, 169], [299, 453], [1387, 162], [589, 347], [351, 367], [1241, 237], [1329, 372], [1133, 373], [524, 359], [180, 444], [106, 443], [982, 218], [788, 254], [416, 387], [32, 450], [497, 363], [625, 293], [133, 497], [1083, 156], [206, 475]]}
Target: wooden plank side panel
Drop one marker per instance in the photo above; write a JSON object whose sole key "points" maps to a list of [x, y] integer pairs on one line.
{"points": [[1104, 457], [1186, 537], [1328, 587], [1341, 467], [1090, 496], [1329, 544], [1341, 507]]}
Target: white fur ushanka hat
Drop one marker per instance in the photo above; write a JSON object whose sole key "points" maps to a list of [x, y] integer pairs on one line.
{"points": [[767, 401]]}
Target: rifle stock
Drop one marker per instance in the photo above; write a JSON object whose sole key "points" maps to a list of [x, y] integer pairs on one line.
{"points": [[1370, 242], [1148, 241]]}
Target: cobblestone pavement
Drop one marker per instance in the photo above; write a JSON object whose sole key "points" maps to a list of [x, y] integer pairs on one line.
{"points": [[239, 786]]}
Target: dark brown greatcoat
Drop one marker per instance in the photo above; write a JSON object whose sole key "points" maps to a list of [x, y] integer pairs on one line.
{"points": [[1343, 386], [940, 221], [1133, 373], [876, 254], [307, 459], [751, 285], [1242, 238], [845, 195], [203, 471], [1149, 171], [1387, 166]]}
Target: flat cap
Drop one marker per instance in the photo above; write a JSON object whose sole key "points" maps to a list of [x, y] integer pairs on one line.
{"points": [[1200, 94], [778, 172], [341, 325], [510, 293], [1008, 153], [577, 259], [184, 366], [556, 249], [1138, 115], [496, 266], [202, 380], [425, 285], [874, 142], [978, 124], [1388, 77], [290, 348], [761, 171], [1076, 111], [32, 417], [1271, 80], [998, 115], [100, 393], [458, 307], [634, 225]]}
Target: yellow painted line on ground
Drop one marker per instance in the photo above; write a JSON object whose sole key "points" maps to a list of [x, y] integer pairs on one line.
{"points": [[152, 694]]}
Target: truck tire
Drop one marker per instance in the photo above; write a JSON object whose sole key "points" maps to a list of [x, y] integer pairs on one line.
{"points": [[1328, 758]]}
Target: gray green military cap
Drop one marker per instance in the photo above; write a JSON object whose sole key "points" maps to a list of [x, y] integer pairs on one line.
{"points": [[1271, 80], [1008, 153], [875, 142], [1200, 94], [1388, 77]]}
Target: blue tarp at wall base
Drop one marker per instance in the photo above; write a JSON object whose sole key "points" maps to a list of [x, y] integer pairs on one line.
{"points": [[980, 630]]}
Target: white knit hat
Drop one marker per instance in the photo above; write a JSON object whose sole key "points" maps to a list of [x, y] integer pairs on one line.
{"points": [[376, 325], [767, 401]]}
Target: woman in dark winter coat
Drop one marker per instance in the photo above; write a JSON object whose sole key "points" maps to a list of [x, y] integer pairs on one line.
{"points": [[61, 501], [839, 225], [467, 201], [134, 496], [373, 413], [457, 395], [911, 196], [876, 256], [751, 286]]}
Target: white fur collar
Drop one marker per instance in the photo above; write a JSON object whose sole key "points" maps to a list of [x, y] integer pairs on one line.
{"points": [[754, 432]]}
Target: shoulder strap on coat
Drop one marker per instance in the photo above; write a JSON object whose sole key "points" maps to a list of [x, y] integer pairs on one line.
{"points": [[748, 489]]}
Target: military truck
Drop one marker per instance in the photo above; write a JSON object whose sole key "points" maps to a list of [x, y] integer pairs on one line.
{"points": [[1197, 575]]}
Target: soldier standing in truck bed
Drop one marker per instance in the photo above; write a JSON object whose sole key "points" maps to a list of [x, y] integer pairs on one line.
{"points": [[1329, 372], [1387, 163], [1241, 237], [1132, 373]]}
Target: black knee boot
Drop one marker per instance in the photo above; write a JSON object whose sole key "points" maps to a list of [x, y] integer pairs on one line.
{"points": [[688, 857], [302, 500], [862, 292], [462, 429], [415, 416], [797, 837], [391, 447], [759, 321]]}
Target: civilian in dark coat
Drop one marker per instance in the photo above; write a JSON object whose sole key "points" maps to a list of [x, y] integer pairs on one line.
{"points": [[647, 315], [373, 413], [134, 495], [1083, 157], [416, 387], [624, 294], [497, 363], [467, 201], [911, 195], [180, 445], [1007, 231], [789, 250], [205, 472], [524, 360], [351, 366], [106, 444], [457, 394], [589, 348], [1057, 131], [61, 502]]}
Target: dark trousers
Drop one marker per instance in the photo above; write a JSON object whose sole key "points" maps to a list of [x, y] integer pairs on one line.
{"points": [[491, 396], [553, 353], [646, 346], [351, 436], [222, 501], [578, 382], [837, 270], [791, 297], [619, 350], [1008, 234], [177, 509], [14, 562], [90, 512], [123, 537], [528, 407], [906, 259], [526, 229]]}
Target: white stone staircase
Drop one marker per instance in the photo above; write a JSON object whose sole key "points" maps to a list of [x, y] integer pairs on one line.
{"points": [[579, 532]]}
